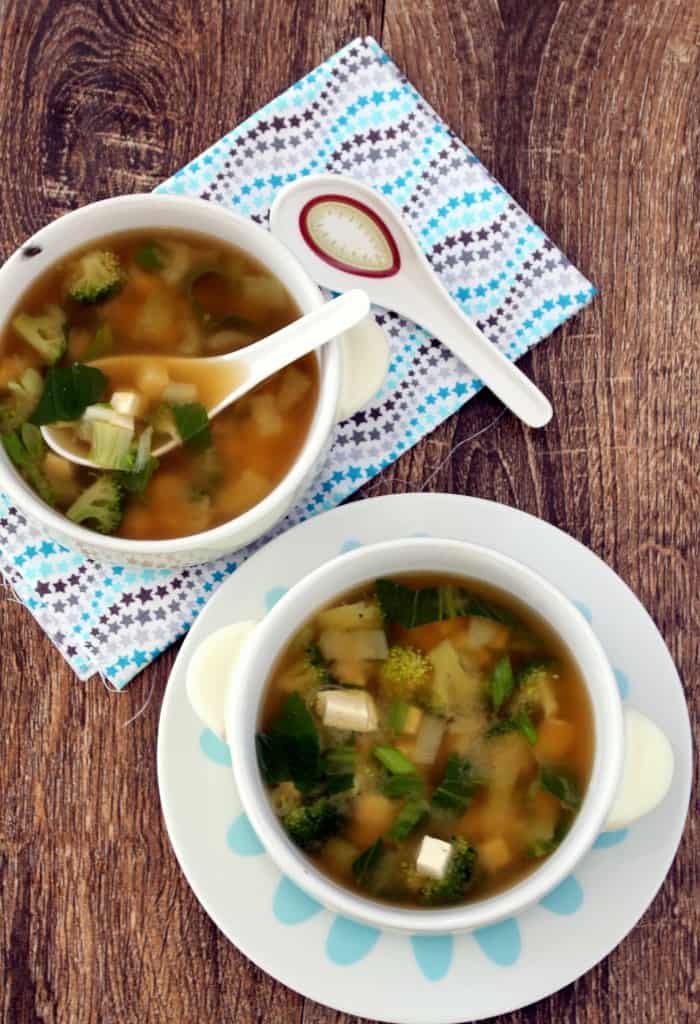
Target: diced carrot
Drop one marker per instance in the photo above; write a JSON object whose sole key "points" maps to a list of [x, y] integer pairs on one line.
{"points": [[494, 854], [372, 815]]}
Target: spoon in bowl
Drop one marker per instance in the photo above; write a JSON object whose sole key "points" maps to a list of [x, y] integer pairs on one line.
{"points": [[344, 233], [222, 380]]}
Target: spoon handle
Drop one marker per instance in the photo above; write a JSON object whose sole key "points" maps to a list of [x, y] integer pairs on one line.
{"points": [[445, 320], [302, 336]]}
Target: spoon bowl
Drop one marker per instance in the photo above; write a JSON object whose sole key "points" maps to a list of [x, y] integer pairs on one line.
{"points": [[222, 380]]}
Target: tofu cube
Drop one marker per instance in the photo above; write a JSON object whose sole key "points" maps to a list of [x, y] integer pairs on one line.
{"points": [[433, 857], [127, 403], [353, 709]]}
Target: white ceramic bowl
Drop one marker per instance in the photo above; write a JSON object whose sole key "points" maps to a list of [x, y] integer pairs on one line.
{"points": [[127, 213], [442, 556]]}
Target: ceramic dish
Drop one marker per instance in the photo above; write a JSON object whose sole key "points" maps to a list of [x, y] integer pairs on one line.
{"points": [[362, 969], [158, 211]]}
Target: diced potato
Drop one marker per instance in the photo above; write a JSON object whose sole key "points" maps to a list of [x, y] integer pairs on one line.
{"points": [[414, 717], [263, 291], [155, 320], [58, 468], [353, 645], [359, 615], [555, 737], [293, 388], [190, 343], [266, 415], [339, 854], [285, 797], [227, 340], [243, 492], [372, 816], [428, 739], [485, 633], [451, 684], [179, 392], [152, 379], [177, 261], [11, 368], [511, 756], [354, 673], [494, 854]]}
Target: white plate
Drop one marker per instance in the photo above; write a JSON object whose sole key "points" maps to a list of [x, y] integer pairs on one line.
{"points": [[392, 977]]}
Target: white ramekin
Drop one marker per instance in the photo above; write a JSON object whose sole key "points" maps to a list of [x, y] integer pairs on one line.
{"points": [[141, 212], [439, 556]]}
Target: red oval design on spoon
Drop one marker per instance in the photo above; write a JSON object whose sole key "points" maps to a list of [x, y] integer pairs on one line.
{"points": [[348, 235]]}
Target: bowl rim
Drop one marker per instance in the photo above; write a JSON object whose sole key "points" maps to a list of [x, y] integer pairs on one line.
{"points": [[248, 684], [306, 294]]}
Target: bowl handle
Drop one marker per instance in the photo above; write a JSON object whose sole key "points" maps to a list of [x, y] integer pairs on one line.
{"points": [[647, 770], [211, 671], [365, 361]]}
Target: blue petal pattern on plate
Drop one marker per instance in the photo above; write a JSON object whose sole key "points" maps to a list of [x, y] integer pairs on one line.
{"points": [[623, 683], [213, 748], [501, 942], [607, 839], [349, 941], [350, 545], [274, 595], [242, 839], [585, 610], [433, 954], [567, 898], [291, 905]]}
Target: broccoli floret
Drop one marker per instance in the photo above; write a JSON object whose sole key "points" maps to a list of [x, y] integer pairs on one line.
{"points": [[285, 798], [100, 505], [46, 332], [450, 889], [405, 673], [309, 825], [95, 277], [22, 400], [535, 688]]}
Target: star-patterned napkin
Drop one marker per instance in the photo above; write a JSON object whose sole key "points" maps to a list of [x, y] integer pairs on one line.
{"points": [[355, 114]]}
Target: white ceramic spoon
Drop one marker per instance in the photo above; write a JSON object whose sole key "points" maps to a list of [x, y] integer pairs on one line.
{"points": [[342, 231], [238, 372]]}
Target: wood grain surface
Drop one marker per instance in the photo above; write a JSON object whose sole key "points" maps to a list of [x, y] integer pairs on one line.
{"points": [[588, 112]]}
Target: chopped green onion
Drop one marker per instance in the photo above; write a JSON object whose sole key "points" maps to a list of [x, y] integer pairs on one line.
{"points": [[394, 761]]}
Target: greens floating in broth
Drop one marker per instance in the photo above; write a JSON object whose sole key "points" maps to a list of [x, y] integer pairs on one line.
{"points": [[431, 763], [157, 293]]}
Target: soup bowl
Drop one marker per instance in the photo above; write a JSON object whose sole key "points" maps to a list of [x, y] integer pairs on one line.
{"points": [[248, 681], [148, 212]]}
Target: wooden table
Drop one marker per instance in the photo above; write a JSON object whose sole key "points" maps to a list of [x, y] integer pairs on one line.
{"points": [[587, 111]]}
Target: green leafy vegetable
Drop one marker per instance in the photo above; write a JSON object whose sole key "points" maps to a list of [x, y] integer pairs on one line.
{"points": [[394, 761], [68, 391], [150, 257], [542, 847], [339, 769], [192, 424], [457, 788], [519, 722], [562, 785], [363, 867], [408, 818], [502, 682], [399, 786], [26, 448], [137, 482], [291, 750], [410, 607]]}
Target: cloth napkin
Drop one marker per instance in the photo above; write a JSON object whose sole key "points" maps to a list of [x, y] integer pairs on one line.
{"points": [[355, 114]]}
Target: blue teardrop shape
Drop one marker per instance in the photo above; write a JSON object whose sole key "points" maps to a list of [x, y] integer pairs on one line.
{"points": [[623, 683], [350, 545], [291, 905], [585, 610], [607, 839], [433, 954], [274, 595], [567, 898], [214, 748], [349, 941], [500, 942], [242, 839]]}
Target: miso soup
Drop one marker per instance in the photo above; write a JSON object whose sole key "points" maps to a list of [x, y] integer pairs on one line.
{"points": [[426, 740], [155, 293]]}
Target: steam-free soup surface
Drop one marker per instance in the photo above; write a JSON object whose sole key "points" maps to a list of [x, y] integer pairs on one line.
{"points": [[158, 293], [426, 740]]}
